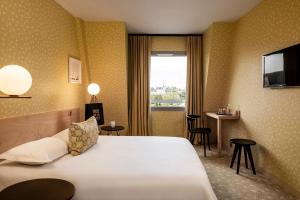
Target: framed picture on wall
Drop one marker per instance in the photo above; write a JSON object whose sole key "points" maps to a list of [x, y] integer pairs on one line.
{"points": [[74, 71], [96, 110]]}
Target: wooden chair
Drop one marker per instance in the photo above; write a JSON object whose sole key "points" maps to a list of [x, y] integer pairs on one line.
{"points": [[193, 130]]}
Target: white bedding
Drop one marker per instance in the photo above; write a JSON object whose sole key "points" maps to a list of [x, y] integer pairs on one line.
{"points": [[125, 168]]}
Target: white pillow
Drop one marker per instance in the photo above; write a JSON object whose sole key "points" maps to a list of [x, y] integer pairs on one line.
{"points": [[63, 135], [37, 152]]}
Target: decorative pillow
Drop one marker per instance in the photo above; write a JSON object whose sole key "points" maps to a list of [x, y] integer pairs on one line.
{"points": [[37, 152], [83, 135]]}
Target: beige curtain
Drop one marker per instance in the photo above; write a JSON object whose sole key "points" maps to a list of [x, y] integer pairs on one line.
{"points": [[139, 84], [194, 76]]}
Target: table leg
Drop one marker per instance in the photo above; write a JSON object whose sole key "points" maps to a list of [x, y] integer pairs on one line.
{"points": [[219, 135]]}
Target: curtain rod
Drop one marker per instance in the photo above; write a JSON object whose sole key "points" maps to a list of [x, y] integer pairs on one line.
{"points": [[178, 35]]}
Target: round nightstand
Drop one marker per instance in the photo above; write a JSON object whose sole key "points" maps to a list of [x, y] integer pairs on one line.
{"points": [[37, 189], [110, 129]]}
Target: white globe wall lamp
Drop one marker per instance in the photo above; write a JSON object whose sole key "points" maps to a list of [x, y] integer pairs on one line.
{"points": [[15, 81]]}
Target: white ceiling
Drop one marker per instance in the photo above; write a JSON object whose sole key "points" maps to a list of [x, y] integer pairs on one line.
{"points": [[160, 16]]}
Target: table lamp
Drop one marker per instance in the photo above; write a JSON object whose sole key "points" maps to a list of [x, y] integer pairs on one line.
{"points": [[94, 108], [93, 90]]}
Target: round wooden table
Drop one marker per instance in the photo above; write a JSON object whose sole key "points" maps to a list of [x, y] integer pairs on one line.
{"points": [[39, 189], [110, 129]]}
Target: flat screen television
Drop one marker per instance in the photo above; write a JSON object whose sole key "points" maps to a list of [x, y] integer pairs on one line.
{"points": [[282, 68]]}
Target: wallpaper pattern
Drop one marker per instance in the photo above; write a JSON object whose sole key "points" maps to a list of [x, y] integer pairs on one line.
{"points": [[269, 116], [41, 44], [168, 123], [168, 43], [106, 45], [217, 55], [81, 41]]}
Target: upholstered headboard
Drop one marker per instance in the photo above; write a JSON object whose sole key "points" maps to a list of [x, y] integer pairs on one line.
{"points": [[18, 130]]}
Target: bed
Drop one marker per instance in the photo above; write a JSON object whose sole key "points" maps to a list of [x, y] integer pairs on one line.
{"points": [[127, 168]]}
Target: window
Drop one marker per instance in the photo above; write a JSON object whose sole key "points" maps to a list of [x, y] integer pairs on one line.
{"points": [[168, 81]]}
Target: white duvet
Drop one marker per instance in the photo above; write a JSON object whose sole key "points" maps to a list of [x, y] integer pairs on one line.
{"points": [[125, 168]]}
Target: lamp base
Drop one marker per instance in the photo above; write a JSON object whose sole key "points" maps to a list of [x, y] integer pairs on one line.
{"points": [[94, 99]]}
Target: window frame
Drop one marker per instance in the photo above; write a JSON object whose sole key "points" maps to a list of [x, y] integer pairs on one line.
{"points": [[167, 108], [167, 54]]}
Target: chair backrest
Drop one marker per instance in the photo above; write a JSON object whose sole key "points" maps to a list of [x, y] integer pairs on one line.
{"points": [[192, 121]]}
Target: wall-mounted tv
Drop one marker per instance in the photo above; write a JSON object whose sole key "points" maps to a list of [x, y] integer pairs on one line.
{"points": [[282, 68]]}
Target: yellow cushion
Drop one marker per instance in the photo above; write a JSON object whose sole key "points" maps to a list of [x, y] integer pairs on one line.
{"points": [[83, 135]]}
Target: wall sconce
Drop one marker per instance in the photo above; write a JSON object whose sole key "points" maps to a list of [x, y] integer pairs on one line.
{"points": [[14, 81], [93, 90]]}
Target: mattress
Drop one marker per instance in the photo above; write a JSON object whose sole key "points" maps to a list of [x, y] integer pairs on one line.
{"points": [[125, 168]]}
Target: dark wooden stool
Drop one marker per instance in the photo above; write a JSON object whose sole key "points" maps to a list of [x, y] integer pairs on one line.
{"points": [[39, 189], [245, 144]]}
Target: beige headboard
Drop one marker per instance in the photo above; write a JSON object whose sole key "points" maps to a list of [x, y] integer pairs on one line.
{"points": [[18, 130]]}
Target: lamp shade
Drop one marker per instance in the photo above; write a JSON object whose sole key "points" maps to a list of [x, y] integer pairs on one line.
{"points": [[14, 80], [93, 89]]}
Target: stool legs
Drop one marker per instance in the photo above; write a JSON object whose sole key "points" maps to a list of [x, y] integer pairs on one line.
{"points": [[239, 159], [234, 155], [251, 159], [247, 153]]}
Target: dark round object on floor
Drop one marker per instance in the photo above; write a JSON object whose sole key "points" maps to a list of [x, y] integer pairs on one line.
{"points": [[39, 189]]}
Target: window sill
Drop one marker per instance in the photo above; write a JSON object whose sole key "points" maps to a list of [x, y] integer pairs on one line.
{"points": [[167, 108]]}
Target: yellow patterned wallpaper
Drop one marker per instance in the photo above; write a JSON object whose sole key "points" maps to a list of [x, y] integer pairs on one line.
{"points": [[39, 35], [207, 41], [106, 44], [217, 42], [269, 116], [168, 123], [166, 43]]}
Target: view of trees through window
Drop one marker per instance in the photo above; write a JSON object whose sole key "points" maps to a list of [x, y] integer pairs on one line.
{"points": [[168, 81]]}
